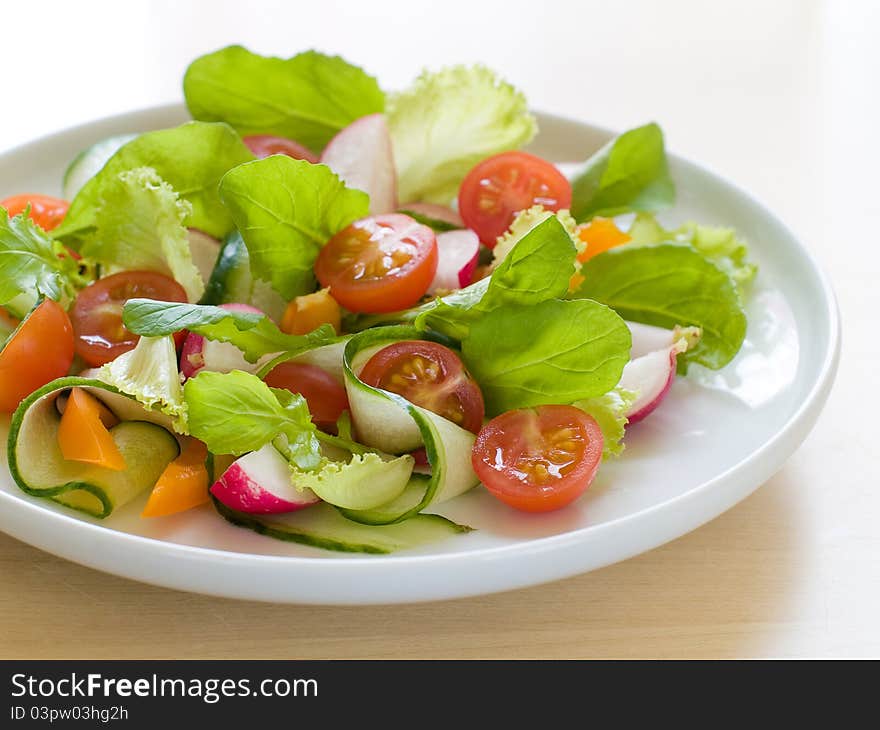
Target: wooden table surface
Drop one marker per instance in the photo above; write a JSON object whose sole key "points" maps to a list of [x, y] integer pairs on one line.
{"points": [[782, 99]]}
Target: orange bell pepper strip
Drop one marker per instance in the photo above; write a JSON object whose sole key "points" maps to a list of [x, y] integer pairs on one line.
{"points": [[310, 311], [84, 435], [183, 485], [600, 234]]}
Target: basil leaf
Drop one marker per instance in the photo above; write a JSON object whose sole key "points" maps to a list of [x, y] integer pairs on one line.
{"points": [[668, 285], [286, 210], [549, 352], [254, 334], [234, 413], [538, 268], [191, 158], [33, 265], [628, 174], [308, 98]]}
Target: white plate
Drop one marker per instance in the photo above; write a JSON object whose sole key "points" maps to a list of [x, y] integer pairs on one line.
{"points": [[716, 438]]}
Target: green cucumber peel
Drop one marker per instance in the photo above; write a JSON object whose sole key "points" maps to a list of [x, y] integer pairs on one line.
{"points": [[100, 501], [429, 426]]}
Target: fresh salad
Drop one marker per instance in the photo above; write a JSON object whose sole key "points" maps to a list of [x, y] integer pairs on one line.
{"points": [[323, 310]]}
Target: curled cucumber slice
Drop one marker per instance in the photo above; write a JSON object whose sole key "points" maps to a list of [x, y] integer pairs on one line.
{"points": [[39, 468], [389, 422]]}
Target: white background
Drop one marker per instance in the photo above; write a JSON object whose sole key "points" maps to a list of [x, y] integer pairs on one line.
{"points": [[782, 97]]}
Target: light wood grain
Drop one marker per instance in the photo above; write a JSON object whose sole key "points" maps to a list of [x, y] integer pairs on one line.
{"points": [[779, 96]]}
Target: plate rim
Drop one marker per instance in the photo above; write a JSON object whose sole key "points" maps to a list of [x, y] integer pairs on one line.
{"points": [[763, 462]]}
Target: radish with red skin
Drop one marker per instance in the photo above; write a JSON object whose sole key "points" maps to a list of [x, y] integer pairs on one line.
{"points": [[650, 374], [647, 338], [361, 155], [260, 483], [457, 255], [265, 145], [437, 212], [199, 353]]}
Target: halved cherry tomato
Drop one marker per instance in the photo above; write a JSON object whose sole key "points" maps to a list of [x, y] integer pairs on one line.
{"points": [[47, 212], [501, 186], [431, 376], [538, 459], [264, 145], [326, 397], [38, 352], [97, 312], [379, 264]]}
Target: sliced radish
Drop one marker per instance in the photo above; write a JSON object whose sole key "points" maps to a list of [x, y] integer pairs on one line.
{"points": [[260, 483], [199, 353], [647, 338], [437, 212], [458, 252], [650, 375], [361, 155]]}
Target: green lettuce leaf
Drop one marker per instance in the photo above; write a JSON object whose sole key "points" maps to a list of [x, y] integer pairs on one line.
{"points": [[364, 482], [308, 98], [667, 285], [628, 174], [538, 268], [139, 225], [448, 121], [254, 334], [149, 373], [550, 352], [191, 158], [286, 211], [234, 413], [610, 411], [32, 265], [719, 244]]}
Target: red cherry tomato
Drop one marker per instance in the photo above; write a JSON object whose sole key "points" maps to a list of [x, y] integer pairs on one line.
{"points": [[538, 459], [501, 186], [97, 312], [379, 264], [264, 145], [325, 395], [37, 353], [431, 376], [47, 212]]}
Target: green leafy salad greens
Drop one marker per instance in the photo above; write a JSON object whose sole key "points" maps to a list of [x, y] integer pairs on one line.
{"points": [[544, 323]]}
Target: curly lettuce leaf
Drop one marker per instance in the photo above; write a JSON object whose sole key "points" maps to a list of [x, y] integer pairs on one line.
{"points": [[191, 158], [308, 98], [551, 352], [139, 225], [149, 374], [628, 174], [286, 211], [365, 481], [32, 265], [523, 224], [719, 244], [667, 285], [610, 411], [448, 121], [251, 332]]}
